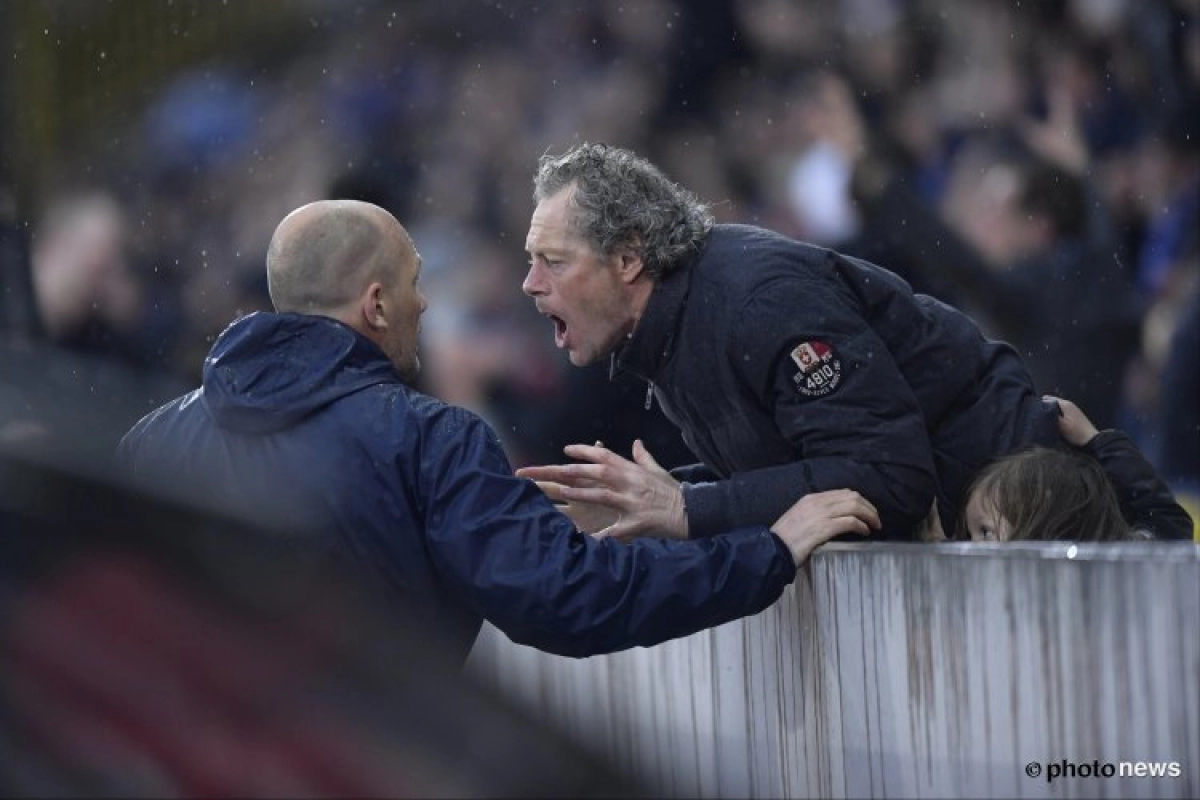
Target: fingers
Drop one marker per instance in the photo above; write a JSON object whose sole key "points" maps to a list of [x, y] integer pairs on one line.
{"points": [[816, 518], [1073, 424], [611, 532], [642, 457], [538, 473], [848, 524], [552, 490], [599, 467], [1058, 402], [550, 473], [832, 528], [598, 495], [848, 503], [1065, 407], [826, 507], [597, 453], [594, 454], [567, 474]]}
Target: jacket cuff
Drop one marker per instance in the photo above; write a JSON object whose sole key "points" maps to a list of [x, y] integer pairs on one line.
{"points": [[784, 551], [693, 473], [705, 509], [1095, 445]]}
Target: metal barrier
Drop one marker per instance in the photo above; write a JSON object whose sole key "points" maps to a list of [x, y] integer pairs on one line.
{"points": [[1021, 670]]}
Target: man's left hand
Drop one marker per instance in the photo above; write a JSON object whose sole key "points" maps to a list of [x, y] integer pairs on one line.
{"points": [[647, 501]]}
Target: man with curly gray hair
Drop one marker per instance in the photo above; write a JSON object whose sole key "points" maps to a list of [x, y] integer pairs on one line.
{"points": [[790, 369]]}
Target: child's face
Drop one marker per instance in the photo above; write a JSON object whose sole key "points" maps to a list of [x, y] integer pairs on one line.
{"points": [[984, 523]]}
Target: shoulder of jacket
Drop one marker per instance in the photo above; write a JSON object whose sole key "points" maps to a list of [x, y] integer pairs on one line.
{"points": [[171, 410], [440, 417], [749, 262]]}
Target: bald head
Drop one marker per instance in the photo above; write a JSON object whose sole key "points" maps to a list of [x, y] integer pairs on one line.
{"points": [[323, 254]]}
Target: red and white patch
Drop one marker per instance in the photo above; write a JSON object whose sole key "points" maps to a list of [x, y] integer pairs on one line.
{"points": [[820, 371]]}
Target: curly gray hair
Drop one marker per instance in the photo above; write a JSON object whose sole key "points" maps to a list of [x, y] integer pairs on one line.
{"points": [[622, 200]]}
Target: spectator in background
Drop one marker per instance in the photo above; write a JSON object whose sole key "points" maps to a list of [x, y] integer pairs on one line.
{"points": [[107, 336], [1169, 277], [445, 105], [1036, 265], [88, 298], [304, 423], [1180, 404], [1103, 490], [1172, 198]]}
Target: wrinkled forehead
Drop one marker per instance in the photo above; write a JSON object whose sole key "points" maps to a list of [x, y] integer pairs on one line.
{"points": [[552, 225]]}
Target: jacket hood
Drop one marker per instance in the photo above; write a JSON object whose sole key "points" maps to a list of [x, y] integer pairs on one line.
{"points": [[267, 372]]}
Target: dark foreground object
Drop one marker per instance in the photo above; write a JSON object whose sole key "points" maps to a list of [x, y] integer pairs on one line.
{"points": [[152, 650]]}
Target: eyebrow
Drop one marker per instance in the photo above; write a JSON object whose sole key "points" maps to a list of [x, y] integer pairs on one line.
{"points": [[546, 251]]}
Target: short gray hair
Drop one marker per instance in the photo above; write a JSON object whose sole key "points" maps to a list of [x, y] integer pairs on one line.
{"points": [[622, 200]]}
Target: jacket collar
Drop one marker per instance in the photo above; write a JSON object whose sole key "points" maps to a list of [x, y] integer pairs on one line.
{"points": [[650, 345]]}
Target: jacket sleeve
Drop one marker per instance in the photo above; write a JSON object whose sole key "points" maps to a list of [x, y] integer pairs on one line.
{"points": [[1145, 500], [694, 473], [497, 541], [860, 427]]}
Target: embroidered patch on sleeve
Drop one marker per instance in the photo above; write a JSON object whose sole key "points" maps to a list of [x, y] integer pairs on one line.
{"points": [[818, 369]]}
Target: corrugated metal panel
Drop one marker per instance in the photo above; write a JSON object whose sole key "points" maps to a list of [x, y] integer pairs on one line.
{"points": [[907, 671]]}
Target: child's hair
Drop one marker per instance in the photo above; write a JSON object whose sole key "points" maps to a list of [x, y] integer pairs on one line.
{"points": [[1051, 495]]}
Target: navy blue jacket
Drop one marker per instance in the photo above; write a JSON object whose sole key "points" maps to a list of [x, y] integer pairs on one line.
{"points": [[793, 369], [303, 424]]}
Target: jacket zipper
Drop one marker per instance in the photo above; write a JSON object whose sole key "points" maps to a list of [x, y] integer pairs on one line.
{"points": [[612, 371]]}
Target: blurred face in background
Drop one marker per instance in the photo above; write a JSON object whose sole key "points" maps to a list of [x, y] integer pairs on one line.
{"points": [[80, 269], [589, 297], [980, 204]]}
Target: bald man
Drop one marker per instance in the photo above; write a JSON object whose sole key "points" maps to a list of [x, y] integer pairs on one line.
{"points": [[305, 424]]}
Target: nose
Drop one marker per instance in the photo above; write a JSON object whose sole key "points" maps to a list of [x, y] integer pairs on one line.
{"points": [[533, 285]]}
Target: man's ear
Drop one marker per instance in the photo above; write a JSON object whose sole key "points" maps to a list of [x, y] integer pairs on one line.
{"points": [[629, 265], [373, 310]]}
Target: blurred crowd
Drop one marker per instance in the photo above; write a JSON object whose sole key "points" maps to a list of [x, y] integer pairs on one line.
{"points": [[1036, 164]]}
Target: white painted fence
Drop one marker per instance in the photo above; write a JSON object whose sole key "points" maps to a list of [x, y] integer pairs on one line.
{"points": [[907, 671]]}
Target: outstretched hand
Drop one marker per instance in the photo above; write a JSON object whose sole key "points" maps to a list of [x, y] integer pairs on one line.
{"points": [[588, 517], [1059, 138], [816, 518], [608, 495]]}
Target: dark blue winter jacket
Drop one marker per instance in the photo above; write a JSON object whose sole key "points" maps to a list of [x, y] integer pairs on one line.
{"points": [[793, 369], [303, 424]]}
